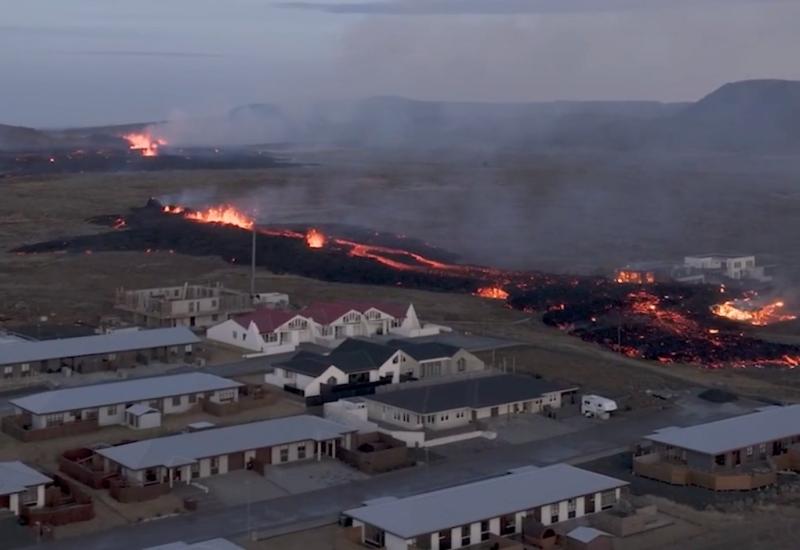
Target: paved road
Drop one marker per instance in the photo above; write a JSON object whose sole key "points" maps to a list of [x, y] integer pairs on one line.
{"points": [[476, 462]]}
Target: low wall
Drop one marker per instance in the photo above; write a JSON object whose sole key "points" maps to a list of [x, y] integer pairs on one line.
{"points": [[69, 463], [11, 425], [65, 503], [642, 520], [134, 493], [676, 474], [245, 402], [389, 454]]}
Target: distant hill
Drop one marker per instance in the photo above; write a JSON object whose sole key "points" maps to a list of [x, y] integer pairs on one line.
{"points": [[747, 116], [19, 137], [751, 115]]}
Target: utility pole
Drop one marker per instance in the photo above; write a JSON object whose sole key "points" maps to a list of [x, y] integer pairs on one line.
{"points": [[253, 265]]}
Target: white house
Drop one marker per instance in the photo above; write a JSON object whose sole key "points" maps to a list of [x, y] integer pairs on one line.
{"points": [[469, 514], [457, 403], [732, 266], [109, 403], [325, 323], [265, 331], [188, 456], [359, 362], [21, 486], [352, 363]]}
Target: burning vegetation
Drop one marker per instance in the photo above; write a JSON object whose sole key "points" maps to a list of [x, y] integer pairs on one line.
{"points": [[665, 322]]}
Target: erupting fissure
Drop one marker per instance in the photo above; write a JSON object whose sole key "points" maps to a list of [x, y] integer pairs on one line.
{"points": [[630, 313], [146, 144]]}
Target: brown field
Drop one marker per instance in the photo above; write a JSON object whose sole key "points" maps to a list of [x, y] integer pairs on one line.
{"points": [[68, 288]]}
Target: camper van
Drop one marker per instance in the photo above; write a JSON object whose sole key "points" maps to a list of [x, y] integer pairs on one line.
{"points": [[595, 406]]}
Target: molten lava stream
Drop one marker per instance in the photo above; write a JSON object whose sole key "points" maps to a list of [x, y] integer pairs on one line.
{"points": [[315, 238], [493, 292], [746, 312]]}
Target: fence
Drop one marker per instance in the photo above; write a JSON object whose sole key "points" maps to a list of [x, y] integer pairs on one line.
{"points": [[65, 503], [13, 426], [123, 492]]}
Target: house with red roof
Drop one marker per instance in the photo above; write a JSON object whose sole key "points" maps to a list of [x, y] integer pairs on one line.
{"points": [[271, 331]]}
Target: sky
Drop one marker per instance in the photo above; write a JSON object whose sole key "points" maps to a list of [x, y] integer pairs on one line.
{"points": [[91, 62]]}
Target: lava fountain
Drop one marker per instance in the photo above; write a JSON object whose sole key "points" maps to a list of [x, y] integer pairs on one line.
{"points": [[315, 238]]}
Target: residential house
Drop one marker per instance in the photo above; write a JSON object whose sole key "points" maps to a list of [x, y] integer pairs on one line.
{"points": [[265, 330], [184, 457], [196, 306], [356, 367], [116, 402], [739, 453], [730, 266], [472, 513], [124, 348], [21, 486], [456, 403], [322, 323]]}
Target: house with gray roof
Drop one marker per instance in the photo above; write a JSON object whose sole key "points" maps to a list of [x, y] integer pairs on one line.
{"points": [[459, 401], [187, 456], [21, 486], [738, 453], [83, 354], [106, 404], [466, 515], [212, 544], [358, 366]]}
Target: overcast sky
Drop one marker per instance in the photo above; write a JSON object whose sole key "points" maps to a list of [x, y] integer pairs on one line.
{"points": [[77, 62]]}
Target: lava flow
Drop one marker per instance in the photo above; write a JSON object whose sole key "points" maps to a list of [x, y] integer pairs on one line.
{"points": [[746, 311], [667, 322], [144, 143]]}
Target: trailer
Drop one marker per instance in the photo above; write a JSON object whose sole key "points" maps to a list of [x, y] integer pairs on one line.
{"points": [[596, 406]]}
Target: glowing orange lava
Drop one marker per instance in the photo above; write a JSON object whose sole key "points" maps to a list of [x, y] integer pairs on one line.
{"points": [[315, 238], [746, 311], [493, 292], [626, 276], [225, 214], [146, 144]]}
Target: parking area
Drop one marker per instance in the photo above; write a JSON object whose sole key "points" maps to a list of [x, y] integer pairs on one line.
{"points": [[301, 477]]}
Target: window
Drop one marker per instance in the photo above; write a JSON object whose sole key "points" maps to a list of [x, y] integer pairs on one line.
{"points": [[25, 369], [272, 337], [176, 401], [431, 418], [508, 524], [554, 517], [444, 417], [112, 410], [395, 359], [214, 465], [297, 324], [214, 304], [719, 460], [461, 364], [284, 455], [301, 452], [749, 451], [465, 535], [608, 499], [762, 449], [235, 334], [8, 372], [192, 398], [571, 508], [54, 419], [215, 317], [352, 317], [485, 532]]}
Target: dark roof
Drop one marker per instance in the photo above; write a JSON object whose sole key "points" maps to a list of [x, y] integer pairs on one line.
{"points": [[350, 356], [424, 351], [306, 362], [486, 391]]}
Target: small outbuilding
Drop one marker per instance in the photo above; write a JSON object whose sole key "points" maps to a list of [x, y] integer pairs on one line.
{"points": [[142, 417]]}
